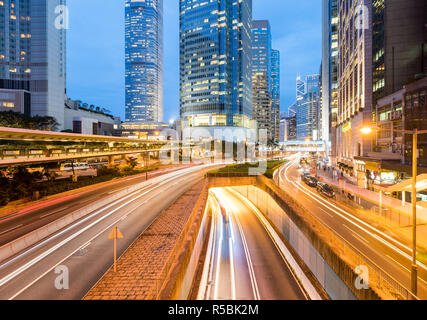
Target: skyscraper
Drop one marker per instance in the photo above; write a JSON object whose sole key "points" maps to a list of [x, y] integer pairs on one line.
{"points": [[261, 75], [307, 120], [329, 71], [215, 64], [32, 57], [144, 60], [355, 82], [275, 93]]}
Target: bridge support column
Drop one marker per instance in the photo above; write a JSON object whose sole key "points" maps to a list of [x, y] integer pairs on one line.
{"points": [[110, 161]]}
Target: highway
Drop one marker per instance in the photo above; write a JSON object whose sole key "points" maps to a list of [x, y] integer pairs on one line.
{"points": [[83, 247], [16, 224], [387, 252], [242, 261]]}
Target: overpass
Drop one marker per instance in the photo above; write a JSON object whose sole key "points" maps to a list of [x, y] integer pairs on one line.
{"points": [[27, 147], [303, 146]]}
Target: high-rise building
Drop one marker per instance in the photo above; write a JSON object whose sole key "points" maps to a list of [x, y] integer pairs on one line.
{"points": [[399, 44], [307, 113], [275, 93], [355, 82], [261, 76], [32, 57], [329, 72], [144, 60], [215, 65]]}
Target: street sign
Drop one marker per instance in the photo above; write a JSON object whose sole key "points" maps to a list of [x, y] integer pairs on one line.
{"points": [[114, 235]]}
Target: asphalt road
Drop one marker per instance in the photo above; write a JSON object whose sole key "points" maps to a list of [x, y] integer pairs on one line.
{"points": [[83, 248], [24, 221], [386, 251], [242, 262]]}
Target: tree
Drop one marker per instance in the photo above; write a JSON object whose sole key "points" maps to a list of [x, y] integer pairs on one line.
{"points": [[132, 162], [18, 120]]}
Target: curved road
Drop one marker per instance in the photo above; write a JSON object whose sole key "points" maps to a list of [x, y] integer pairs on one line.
{"points": [[83, 247], [387, 252], [242, 261]]}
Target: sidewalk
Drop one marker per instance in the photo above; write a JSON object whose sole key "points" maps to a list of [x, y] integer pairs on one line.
{"points": [[139, 269]]}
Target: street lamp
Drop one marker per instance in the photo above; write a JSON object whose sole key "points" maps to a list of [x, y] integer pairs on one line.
{"points": [[415, 133]]}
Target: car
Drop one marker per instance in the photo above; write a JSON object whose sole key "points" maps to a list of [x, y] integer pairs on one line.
{"points": [[309, 180], [325, 190]]}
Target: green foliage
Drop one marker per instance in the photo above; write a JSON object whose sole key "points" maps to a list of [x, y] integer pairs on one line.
{"points": [[19, 120], [132, 162], [272, 165]]}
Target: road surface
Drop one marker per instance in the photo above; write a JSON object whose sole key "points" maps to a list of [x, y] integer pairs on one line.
{"points": [[83, 247], [242, 261], [26, 220], [390, 254]]}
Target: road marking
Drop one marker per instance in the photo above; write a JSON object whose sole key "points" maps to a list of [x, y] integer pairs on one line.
{"points": [[254, 282], [329, 205], [8, 230], [35, 260], [51, 213]]}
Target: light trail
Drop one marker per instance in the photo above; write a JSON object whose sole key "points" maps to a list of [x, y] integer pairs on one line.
{"points": [[347, 217]]}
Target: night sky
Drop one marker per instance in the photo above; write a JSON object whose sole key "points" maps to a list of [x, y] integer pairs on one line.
{"points": [[95, 49]]}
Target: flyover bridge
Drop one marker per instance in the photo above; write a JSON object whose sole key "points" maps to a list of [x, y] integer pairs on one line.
{"points": [[26, 147]]}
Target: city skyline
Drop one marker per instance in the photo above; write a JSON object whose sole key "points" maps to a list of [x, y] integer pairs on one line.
{"points": [[89, 80]]}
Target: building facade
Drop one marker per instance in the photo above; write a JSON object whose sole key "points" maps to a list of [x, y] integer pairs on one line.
{"points": [[215, 65], [87, 119], [275, 93], [329, 72], [261, 76], [399, 44], [32, 56], [144, 60], [307, 109], [355, 82]]}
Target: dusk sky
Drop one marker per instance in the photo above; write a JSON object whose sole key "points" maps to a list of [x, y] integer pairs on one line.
{"points": [[96, 49]]}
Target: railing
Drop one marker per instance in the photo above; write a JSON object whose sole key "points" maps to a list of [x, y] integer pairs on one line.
{"points": [[381, 281]]}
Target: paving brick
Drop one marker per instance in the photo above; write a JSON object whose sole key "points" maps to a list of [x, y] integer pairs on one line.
{"points": [[139, 268]]}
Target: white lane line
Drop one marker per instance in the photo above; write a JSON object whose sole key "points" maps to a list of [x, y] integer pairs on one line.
{"points": [[38, 258], [264, 223], [232, 270], [8, 230], [254, 283], [160, 181], [218, 261], [330, 206], [68, 256], [398, 263], [51, 213]]}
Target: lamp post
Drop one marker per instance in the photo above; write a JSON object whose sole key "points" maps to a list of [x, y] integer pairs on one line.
{"points": [[415, 133]]}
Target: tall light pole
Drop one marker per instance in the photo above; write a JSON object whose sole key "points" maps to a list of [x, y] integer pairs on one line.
{"points": [[415, 133]]}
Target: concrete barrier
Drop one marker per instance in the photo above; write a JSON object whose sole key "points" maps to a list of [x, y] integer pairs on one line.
{"points": [[16, 246]]}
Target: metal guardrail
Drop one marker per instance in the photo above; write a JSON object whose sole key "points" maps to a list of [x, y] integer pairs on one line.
{"points": [[379, 279]]}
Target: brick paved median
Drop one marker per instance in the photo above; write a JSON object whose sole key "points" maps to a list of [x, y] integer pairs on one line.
{"points": [[139, 268]]}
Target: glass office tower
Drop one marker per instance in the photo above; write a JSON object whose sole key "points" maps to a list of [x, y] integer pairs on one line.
{"points": [[32, 57], [215, 63], [275, 93], [261, 75], [144, 60], [308, 109]]}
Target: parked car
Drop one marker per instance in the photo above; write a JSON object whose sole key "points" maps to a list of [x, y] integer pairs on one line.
{"points": [[309, 180], [325, 190]]}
